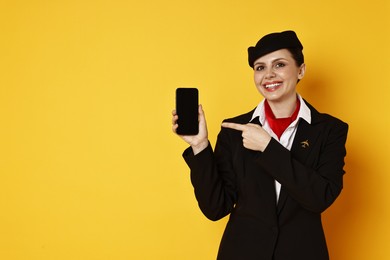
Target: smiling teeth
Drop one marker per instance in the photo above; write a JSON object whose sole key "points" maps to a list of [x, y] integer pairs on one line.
{"points": [[272, 85]]}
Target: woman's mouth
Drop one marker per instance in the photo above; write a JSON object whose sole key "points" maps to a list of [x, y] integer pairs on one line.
{"points": [[272, 86]]}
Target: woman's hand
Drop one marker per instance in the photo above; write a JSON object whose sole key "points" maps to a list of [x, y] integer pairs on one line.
{"points": [[198, 142], [254, 137]]}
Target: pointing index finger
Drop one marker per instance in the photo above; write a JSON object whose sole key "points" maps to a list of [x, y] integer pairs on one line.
{"points": [[234, 126]]}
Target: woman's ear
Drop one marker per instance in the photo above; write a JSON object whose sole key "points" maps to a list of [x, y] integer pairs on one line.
{"points": [[302, 70]]}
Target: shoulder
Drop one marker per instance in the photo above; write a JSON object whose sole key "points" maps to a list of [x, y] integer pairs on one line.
{"points": [[325, 119]]}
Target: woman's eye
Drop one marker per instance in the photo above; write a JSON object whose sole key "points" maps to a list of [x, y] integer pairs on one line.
{"points": [[280, 65], [259, 68]]}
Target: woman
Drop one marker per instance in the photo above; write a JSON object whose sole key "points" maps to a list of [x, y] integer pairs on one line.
{"points": [[274, 169]]}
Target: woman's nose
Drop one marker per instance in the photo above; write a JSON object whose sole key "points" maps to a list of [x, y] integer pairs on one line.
{"points": [[270, 73]]}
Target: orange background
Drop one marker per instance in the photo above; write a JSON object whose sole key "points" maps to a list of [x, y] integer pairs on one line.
{"points": [[89, 167]]}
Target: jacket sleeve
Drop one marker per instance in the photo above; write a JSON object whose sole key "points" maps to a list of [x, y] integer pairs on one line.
{"points": [[316, 186], [213, 180]]}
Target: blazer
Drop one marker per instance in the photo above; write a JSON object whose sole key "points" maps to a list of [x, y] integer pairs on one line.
{"points": [[240, 182]]}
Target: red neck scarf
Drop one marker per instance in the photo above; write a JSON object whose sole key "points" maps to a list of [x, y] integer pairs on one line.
{"points": [[279, 125]]}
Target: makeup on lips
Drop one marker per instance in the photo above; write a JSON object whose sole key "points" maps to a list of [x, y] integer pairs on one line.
{"points": [[272, 86]]}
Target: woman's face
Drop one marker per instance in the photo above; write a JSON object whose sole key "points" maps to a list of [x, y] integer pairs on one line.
{"points": [[276, 75]]}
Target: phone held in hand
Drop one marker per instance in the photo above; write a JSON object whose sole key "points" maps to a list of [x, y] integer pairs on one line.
{"points": [[187, 100]]}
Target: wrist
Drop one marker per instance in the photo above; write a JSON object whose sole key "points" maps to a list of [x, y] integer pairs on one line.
{"points": [[266, 143], [197, 148]]}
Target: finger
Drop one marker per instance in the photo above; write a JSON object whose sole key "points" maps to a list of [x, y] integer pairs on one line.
{"points": [[201, 111], [174, 127], [174, 119], [234, 126], [202, 117], [251, 124]]}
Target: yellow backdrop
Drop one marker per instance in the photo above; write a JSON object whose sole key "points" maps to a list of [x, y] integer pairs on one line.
{"points": [[89, 167]]}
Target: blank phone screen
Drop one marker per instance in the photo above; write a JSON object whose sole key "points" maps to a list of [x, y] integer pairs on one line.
{"points": [[187, 111]]}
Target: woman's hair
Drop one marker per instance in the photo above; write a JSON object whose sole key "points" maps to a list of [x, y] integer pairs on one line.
{"points": [[297, 55]]}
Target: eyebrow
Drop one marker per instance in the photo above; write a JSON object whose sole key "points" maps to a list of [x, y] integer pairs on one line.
{"points": [[273, 61]]}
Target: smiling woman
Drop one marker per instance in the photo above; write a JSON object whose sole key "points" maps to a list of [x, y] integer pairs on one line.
{"points": [[276, 75], [274, 169]]}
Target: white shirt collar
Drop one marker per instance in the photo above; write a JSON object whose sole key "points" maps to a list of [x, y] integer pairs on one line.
{"points": [[304, 112]]}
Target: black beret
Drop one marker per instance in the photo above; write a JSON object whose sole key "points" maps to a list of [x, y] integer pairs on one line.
{"points": [[273, 42]]}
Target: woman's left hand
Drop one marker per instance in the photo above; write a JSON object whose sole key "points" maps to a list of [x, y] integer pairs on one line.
{"points": [[254, 137]]}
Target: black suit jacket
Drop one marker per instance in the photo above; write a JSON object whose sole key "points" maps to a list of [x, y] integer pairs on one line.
{"points": [[240, 182]]}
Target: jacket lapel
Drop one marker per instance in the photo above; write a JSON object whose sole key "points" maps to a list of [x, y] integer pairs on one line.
{"points": [[303, 143], [302, 146]]}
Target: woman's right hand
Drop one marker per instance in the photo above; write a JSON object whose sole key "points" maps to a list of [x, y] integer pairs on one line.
{"points": [[198, 142]]}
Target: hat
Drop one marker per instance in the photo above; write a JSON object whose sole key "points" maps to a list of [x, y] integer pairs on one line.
{"points": [[273, 42]]}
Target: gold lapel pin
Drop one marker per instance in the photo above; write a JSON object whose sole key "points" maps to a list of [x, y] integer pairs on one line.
{"points": [[305, 144]]}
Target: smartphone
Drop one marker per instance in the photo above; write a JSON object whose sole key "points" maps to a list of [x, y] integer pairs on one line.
{"points": [[187, 100]]}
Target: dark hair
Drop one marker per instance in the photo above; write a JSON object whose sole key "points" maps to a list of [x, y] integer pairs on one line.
{"points": [[297, 55]]}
